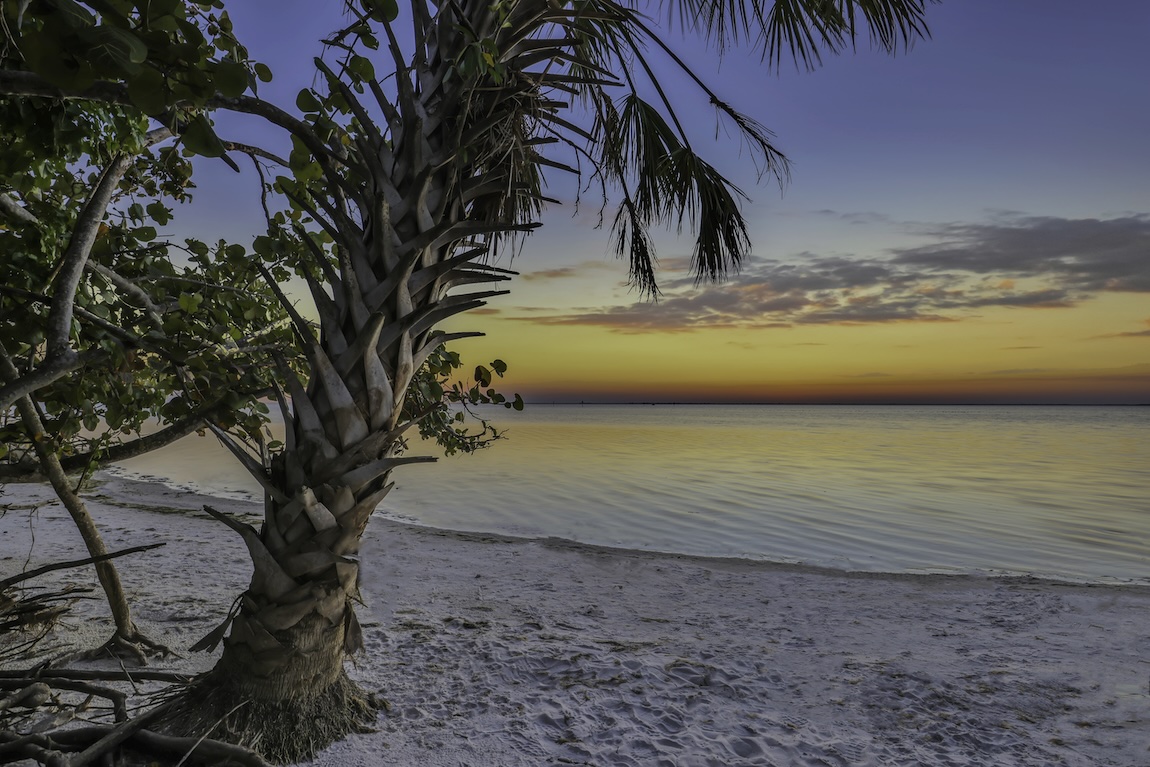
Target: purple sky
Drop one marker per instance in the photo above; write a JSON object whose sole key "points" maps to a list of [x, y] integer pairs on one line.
{"points": [[967, 164]]}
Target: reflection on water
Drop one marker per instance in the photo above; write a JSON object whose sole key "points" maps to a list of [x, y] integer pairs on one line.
{"points": [[1059, 491]]}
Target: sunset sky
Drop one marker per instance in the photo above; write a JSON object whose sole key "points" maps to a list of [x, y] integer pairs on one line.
{"points": [[968, 222]]}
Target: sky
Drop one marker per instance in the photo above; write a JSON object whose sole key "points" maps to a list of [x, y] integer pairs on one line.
{"points": [[967, 222]]}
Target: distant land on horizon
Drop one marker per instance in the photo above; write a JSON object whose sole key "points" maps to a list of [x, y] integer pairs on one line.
{"points": [[963, 403]]}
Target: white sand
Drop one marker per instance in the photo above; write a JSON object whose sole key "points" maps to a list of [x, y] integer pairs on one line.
{"points": [[497, 652]]}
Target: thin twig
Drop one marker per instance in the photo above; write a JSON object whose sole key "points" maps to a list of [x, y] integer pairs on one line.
{"points": [[208, 731], [76, 563], [95, 675]]}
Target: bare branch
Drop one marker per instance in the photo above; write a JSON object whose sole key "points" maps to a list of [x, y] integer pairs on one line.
{"points": [[76, 563]]}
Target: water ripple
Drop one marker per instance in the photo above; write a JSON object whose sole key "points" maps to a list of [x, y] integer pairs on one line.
{"points": [[1053, 491]]}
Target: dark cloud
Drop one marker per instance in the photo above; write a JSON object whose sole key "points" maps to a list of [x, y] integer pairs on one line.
{"points": [[861, 217], [1052, 298], [567, 272], [1085, 254], [1020, 371], [1130, 334], [1015, 261], [550, 274]]}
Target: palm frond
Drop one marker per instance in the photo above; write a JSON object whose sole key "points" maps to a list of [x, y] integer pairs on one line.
{"points": [[802, 30]]}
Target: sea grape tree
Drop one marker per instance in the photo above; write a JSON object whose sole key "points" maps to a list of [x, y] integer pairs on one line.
{"points": [[103, 325]]}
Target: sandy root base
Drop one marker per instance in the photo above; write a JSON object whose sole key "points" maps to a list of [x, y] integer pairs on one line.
{"points": [[500, 652]]}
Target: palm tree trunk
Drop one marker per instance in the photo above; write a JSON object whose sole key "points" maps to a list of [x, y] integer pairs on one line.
{"points": [[452, 173], [280, 684]]}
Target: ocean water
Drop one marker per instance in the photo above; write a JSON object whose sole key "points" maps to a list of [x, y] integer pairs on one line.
{"points": [[1058, 492]]}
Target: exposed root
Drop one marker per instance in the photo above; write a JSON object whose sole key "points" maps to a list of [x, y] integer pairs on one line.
{"points": [[282, 731], [134, 647]]}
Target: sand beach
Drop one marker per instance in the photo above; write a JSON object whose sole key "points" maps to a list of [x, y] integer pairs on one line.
{"points": [[496, 651]]}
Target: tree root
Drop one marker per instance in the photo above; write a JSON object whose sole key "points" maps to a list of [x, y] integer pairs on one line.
{"points": [[90, 745], [135, 647], [281, 731], [26, 734]]}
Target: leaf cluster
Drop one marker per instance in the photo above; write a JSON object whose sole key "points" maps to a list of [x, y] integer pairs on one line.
{"points": [[446, 408], [171, 333], [165, 51]]}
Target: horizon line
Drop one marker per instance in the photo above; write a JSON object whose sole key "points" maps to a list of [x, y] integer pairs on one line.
{"points": [[846, 403]]}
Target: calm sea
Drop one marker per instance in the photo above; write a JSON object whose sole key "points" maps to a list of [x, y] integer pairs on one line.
{"points": [[1051, 491]]}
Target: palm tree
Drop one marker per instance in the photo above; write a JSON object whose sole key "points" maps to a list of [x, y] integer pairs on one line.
{"points": [[413, 181], [413, 203]]}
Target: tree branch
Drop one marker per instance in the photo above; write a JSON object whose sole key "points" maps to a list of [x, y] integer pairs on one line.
{"points": [[13, 83], [16, 210], [254, 151], [80, 247], [126, 450], [51, 370], [132, 289], [76, 256]]}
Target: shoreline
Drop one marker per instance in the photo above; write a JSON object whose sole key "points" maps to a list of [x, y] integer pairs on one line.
{"points": [[514, 652], [108, 479]]}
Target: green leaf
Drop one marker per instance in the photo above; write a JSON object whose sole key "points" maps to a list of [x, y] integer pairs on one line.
{"points": [[309, 172], [231, 79], [263, 72], [482, 375], [115, 48], [190, 302], [307, 102], [157, 8], [159, 212], [234, 251], [381, 10], [361, 67], [44, 56], [198, 137], [145, 233], [146, 90], [73, 14], [517, 403], [499, 366]]}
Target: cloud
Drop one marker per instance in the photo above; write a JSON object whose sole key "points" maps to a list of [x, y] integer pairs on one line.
{"points": [[1129, 334], [550, 274], [567, 272], [860, 217], [1013, 261], [1020, 371], [1086, 254]]}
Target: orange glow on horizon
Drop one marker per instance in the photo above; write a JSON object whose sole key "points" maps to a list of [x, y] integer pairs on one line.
{"points": [[1117, 389]]}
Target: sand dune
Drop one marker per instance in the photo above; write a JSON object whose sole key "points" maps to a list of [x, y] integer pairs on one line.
{"points": [[502, 652]]}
